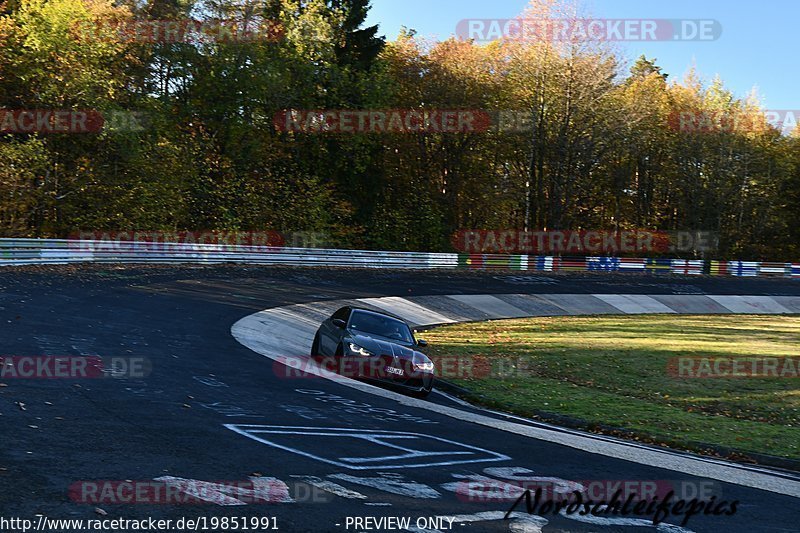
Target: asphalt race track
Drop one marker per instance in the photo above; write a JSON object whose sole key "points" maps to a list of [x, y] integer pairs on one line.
{"points": [[212, 410]]}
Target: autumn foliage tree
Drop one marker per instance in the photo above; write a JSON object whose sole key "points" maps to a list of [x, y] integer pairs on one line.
{"points": [[605, 144]]}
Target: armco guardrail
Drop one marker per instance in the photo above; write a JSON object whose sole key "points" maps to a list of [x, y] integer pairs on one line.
{"points": [[60, 251]]}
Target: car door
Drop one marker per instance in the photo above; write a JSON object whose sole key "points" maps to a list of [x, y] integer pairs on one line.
{"points": [[331, 335]]}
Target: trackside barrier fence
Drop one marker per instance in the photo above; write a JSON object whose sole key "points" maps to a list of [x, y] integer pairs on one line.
{"points": [[61, 251]]}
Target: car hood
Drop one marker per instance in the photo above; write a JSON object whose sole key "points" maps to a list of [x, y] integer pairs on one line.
{"points": [[382, 347]]}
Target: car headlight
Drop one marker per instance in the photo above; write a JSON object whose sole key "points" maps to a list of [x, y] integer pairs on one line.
{"points": [[355, 348], [423, 363]]}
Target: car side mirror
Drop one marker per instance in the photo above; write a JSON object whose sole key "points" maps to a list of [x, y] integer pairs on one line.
{"points": [[422, 343], [339, 323]]}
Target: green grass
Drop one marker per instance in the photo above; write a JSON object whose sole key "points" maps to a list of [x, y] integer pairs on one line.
{"points": [[612, 371]]}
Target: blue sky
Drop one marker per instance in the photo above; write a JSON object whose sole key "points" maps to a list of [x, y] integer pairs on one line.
{"points": [[759, 45]]}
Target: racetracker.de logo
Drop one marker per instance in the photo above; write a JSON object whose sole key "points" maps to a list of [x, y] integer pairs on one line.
{"points": [[73, 367], [784, 120], [50, 121], [176, 241], [588, 30], [383, 367], [180, 31], [485, 489], [582, 241], [178, 491], [734, 367], [383, 121]]}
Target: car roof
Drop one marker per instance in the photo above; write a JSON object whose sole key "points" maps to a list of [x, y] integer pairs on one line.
{"points": [[379, 313]]}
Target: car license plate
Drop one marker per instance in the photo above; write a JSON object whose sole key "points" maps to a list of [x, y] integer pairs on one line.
{"points": [[396, 371]]}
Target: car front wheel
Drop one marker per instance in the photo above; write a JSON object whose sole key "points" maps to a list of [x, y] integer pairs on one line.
{"points": [[315, 346]]}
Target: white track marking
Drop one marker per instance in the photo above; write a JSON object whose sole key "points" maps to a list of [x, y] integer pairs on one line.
{"points": [[406, 449], [475, 487], [524, 475], [634, 303], [483, 490], [454, 399], [392, 483], [631, 522], [228, 410], [341, 403], [333, 488], [265, 489], [750, 304], [517, 523], [490, 305], [257, 332], [209, 381], [408, 310]]}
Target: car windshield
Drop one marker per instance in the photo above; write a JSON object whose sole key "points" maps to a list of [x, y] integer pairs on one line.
{"points": [[382, 326]]}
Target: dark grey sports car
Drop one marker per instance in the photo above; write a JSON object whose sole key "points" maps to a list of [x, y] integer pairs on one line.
{"points": [[374, 346]]}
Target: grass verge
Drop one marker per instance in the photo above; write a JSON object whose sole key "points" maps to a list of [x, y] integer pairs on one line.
{"points": [[611, 372]]}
